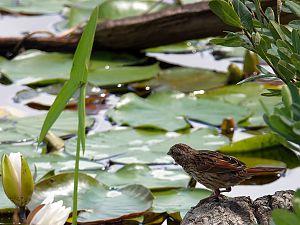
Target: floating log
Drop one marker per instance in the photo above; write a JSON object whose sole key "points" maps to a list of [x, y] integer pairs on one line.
{"points": [[239, 210], [168, 26]]}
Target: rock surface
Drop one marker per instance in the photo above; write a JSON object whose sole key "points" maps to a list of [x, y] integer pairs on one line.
{"points": [[237, 211]]}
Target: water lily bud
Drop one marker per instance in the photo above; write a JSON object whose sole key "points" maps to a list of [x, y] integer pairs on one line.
{"points": [[49, 213], [234, 74], [251, 60], [17, 179]]}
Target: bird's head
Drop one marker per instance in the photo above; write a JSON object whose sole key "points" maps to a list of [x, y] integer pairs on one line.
{"points": [[179, 152]]}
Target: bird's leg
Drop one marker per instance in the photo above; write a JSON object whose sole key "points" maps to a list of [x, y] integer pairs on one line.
{"points": [[217, 193]]}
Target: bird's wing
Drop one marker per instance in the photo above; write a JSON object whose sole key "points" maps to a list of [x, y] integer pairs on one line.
{"points": [[215, 162]]}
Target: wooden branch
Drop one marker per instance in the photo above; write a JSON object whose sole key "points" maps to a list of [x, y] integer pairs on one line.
{"points": [[238, 210], [134, 33]]}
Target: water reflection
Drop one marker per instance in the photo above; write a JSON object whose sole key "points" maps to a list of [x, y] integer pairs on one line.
{"points": [[18, 25]]}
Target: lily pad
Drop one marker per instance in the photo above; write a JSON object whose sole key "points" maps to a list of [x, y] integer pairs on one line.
{"points": [[278, 155], [144, 146], [116, 141], [28, 128], [119, 9], [122, 75], [248, 96], [59, 163], [188, 79], [33, 6], [182, 47], [98, 202], [144, 175], [178, 200], [169, 111], [35, 67], [253, 143], [78, 12]]}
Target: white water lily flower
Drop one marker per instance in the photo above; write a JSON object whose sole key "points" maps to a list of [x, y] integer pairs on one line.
{"points": [[17, 179], [49, 213]]}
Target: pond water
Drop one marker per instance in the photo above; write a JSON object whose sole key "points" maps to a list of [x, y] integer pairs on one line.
{"points": [[16, 26]]}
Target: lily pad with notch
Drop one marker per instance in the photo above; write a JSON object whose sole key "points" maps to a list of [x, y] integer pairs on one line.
{"points": [[96, 202], [28, 128], [169, 111], [152, 178]]}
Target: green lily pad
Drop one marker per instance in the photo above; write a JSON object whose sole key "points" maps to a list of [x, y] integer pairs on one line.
{"points": [[116, 141], [119, 9], [252, 143], [168, 111], [33, 6], [278, 155], [260, 162], [26, 150], [78, 12], [98, 201], [201, 139], [188, 79], [121, 75], [182, 47], [144, 146], [144, 175], [106, 68], [57, 162], [248, 96], [175, 200], [28, 128]]}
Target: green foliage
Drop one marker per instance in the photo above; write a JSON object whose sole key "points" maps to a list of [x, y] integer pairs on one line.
{"points": [[78, 80], [285, 217], [275, 43], [285, 120], [278, 45]]}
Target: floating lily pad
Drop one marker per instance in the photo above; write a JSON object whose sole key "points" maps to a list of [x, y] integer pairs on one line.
{"points": [[248, 96], [169, 111], [106, 68], [59, 163], [99, 202], [33, 6], [278, 155], [118, 9], [251, 144], [116, 141], [25, 150], [28, 128], [78, 12], [42, 163], [260, 162], [144, 146], [182, 47], [188, 79], [178, 200], [144, 175], [121, 75]]}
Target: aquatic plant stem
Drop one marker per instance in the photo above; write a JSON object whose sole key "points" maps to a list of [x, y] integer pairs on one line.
{"points": [[75, 191], [80, 142], [22, 214]]}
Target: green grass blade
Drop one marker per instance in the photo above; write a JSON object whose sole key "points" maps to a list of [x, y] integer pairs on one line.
{"points": [[82, 55], [57, 107]]}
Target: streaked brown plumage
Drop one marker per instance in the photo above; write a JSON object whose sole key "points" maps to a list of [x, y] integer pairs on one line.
{"points": [[215, 170]]}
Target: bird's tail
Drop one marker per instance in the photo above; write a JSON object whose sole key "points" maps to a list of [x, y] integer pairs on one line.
{"points": [[266, 171]]}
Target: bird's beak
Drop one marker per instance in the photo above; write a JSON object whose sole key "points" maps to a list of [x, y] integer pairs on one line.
{"points": [[169, 153]]}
